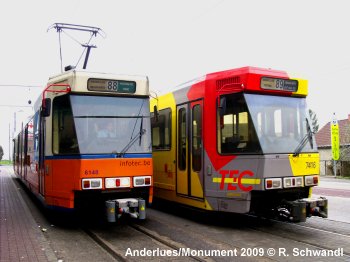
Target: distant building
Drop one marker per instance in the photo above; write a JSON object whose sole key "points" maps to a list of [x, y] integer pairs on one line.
{"points": [[323, 140]]}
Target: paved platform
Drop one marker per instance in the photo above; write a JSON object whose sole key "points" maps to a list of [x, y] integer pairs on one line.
{"points": [[20, 236]]}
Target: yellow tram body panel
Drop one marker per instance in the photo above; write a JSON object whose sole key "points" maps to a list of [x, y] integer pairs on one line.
{"points": [[305, 164], [165, 167]]}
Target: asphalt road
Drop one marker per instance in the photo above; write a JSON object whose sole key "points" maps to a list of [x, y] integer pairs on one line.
{"points": [[337, 191]]}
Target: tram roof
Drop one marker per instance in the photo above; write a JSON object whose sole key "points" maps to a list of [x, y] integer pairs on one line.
{"points": [[248, 79], [86, 74], [262, 80], [84, 81], [77, 80]]}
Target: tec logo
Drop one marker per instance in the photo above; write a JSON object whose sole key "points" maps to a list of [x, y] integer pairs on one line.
{"points": [[236, 180]]}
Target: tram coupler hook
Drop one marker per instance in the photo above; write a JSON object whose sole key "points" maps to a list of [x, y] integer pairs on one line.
{"points": [[135, 208]]}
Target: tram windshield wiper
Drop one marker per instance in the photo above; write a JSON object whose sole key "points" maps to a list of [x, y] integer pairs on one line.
{"points": [[133, 140], [141, 130], [138, 135], [307, 137]]}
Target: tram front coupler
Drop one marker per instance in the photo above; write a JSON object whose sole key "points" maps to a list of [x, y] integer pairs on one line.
{"points": [[134, 207], [299, 210]]}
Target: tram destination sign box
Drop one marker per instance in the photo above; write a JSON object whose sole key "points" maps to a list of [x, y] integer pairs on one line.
{"points": [[105, 85], [279, 84]]}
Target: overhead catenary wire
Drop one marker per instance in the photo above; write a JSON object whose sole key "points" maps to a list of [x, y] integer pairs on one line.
{"points": [[19, 85], [13, 105]]}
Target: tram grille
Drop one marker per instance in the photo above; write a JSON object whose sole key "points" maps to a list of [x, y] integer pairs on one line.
{"points": [[227, 82]]}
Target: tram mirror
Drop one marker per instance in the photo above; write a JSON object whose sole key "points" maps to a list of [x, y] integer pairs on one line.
{"points": [[156, 114], [222, 106], [46, 107]]}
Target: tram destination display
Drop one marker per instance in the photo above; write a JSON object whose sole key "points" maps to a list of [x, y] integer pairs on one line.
{"points": [[105, 85], [279, 84]]}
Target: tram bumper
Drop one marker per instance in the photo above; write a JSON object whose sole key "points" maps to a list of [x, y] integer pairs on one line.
{"points": [[299, 210], [133, 207]]}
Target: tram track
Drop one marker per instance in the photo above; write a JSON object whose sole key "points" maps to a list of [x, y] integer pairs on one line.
{"points": [[338, 229], [255, 234], [168, 242], [163, 244], [105, 245], [286, 231], [307, 226], [195, 241], [310, 243]]}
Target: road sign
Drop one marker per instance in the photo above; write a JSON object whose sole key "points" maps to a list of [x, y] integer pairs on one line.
{"points": [[335, 139]]}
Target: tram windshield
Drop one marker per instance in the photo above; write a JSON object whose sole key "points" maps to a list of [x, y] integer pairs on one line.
{"points": [[255, 124], [101, 125]]}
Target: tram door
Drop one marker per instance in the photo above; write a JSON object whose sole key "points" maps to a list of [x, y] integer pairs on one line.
{"points": [[25, 149], [41, 148], [21, 154], [189, 177]]}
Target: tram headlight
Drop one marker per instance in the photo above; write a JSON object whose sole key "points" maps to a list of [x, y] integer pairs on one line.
{"points": [[311, 180], [142, 181], [292, 182], [92, 183], [299, 181], [273, 183], [116, 182]]}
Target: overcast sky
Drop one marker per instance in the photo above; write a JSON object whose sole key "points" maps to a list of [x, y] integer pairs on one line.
{"points": [[175, 41]]}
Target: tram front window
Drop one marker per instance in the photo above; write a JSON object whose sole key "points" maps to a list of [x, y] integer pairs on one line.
{"points": [[236, 133], [104, 125], [251, 123], [281, 123]]}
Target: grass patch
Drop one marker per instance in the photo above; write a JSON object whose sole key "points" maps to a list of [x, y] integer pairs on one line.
{"points": [[6, 163], [343, 177]]}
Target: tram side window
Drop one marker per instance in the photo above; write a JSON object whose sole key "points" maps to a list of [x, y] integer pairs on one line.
{"points": [[18, 148], [36, 136], [161, 130], [197, 138], [16, 151], [64, 135], [182, 139], [235, 128]]}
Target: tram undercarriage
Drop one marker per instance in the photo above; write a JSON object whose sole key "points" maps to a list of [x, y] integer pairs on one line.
{"points": [[288, 205], [128, 203]]}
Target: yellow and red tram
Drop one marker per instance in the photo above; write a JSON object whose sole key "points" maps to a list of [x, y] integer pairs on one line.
{"points": [[237, 141], [89, 141]]}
